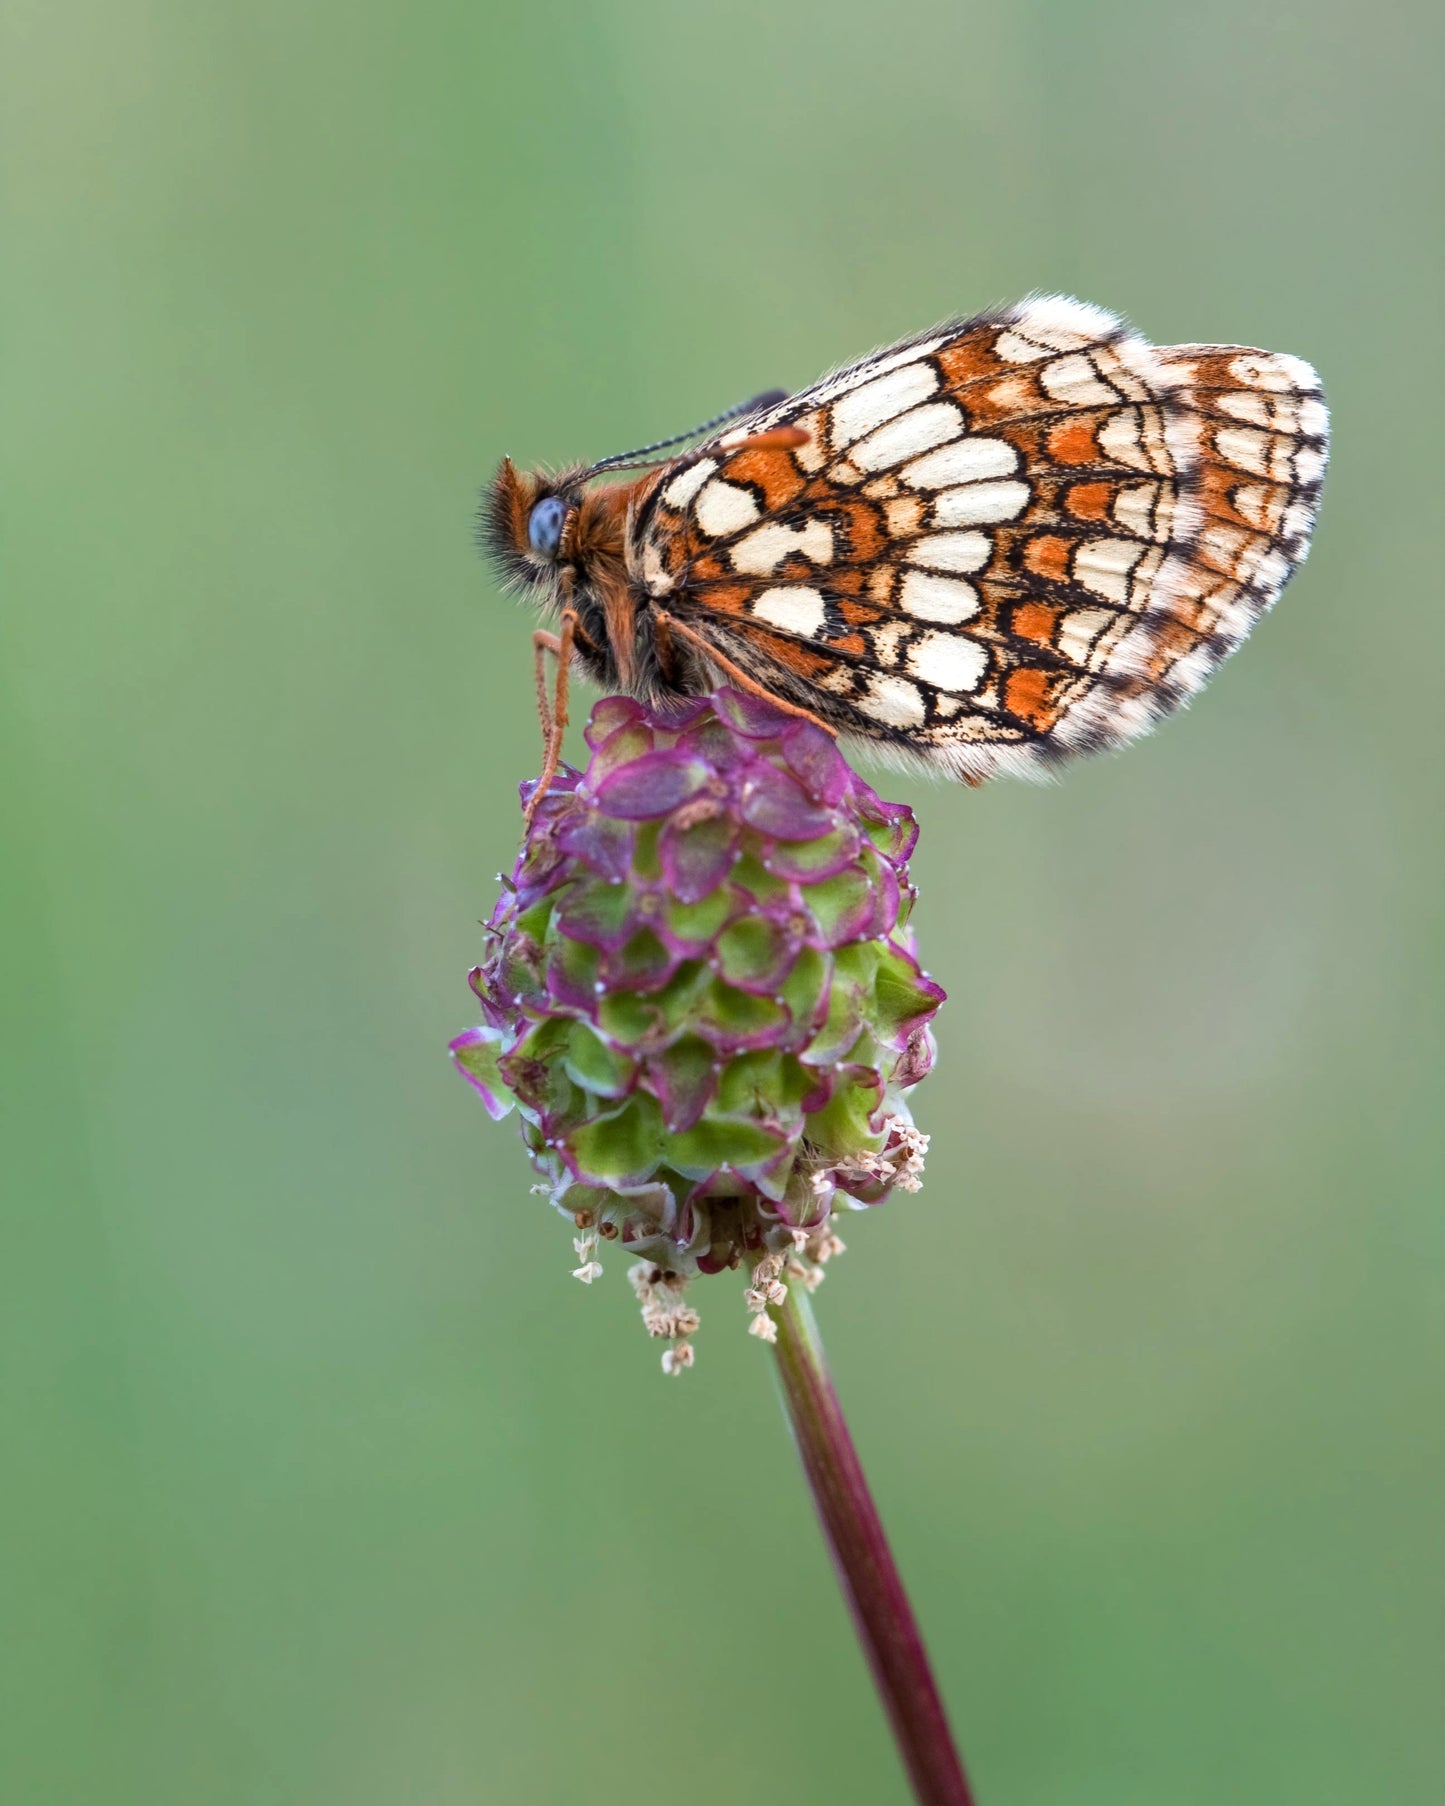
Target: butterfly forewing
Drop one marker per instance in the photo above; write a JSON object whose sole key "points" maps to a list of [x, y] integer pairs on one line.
{"points": [[1000, 543]]}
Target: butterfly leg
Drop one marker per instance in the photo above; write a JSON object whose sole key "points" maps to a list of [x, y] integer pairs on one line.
{"points": [[553, 709], [671, 624], [544, 642]]}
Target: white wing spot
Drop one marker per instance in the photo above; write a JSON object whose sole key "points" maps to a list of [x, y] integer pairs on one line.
{"points": [[793, 607], [980, 503], [686, 484], [1230, 549], [1257, 409], [1103, 565], [811, 456], [908, 435], [952, 551], [1309, 464], [1074, 381], [1249, 405], [1063, 323], [723, 508], [862, 409], [1014, 349], [843, 382], [965, 461], [1244, 448], [764, 549], [947, 600], [948, 661], [1078, 631], [884, 639], [654, 571], [1119, 440], [1274, 370], [1134, 508], [892, 700]]}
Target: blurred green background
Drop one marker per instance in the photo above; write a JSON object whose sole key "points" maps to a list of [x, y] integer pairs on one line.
{"points": [[324, 1483]]}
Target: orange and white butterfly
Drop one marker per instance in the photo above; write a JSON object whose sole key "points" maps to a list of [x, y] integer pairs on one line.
{"points": [[1012, 539]]}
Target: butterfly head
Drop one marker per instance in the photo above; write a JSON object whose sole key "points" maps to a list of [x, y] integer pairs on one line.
{"points": [[560, 539], [528, 523]]}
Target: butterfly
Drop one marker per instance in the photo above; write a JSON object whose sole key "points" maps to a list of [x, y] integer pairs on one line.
{"points": [[986, 549]]}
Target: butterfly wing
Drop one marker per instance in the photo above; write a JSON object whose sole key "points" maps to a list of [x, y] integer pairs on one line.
{"points": [[1001, 543]]}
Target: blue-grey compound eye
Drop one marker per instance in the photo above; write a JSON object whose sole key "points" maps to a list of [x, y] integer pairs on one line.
{"points": [[544, 529]]}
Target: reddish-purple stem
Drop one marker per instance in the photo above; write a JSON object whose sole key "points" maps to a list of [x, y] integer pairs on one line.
{"points": [[884, 1619]]}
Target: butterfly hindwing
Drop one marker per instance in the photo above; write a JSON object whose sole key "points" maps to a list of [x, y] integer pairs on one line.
{"points": [[999, 543]]}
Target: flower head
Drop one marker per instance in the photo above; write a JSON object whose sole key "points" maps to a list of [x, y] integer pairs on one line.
{"points": [[701, 994]]}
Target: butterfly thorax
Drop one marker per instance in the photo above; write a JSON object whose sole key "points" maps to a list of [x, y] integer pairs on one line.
{"points": [[617, 641]]}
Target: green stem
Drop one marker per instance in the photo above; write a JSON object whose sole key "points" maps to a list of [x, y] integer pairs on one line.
{"points": [[881, 1612]]}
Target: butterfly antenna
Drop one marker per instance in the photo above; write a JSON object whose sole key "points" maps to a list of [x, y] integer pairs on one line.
{"points": [[626, 460]]}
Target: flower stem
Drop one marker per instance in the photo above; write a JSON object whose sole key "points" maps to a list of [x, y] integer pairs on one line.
{"points": [[881, 1612]]}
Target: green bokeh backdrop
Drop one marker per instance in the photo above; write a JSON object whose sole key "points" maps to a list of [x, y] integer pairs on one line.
{"points": [[323, 1482]]}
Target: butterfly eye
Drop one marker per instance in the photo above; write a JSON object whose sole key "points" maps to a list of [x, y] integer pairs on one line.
{"points": [[544, 529]]}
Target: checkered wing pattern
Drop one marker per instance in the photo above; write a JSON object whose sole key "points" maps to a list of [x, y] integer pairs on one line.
{"points": [[1000, 544]]}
